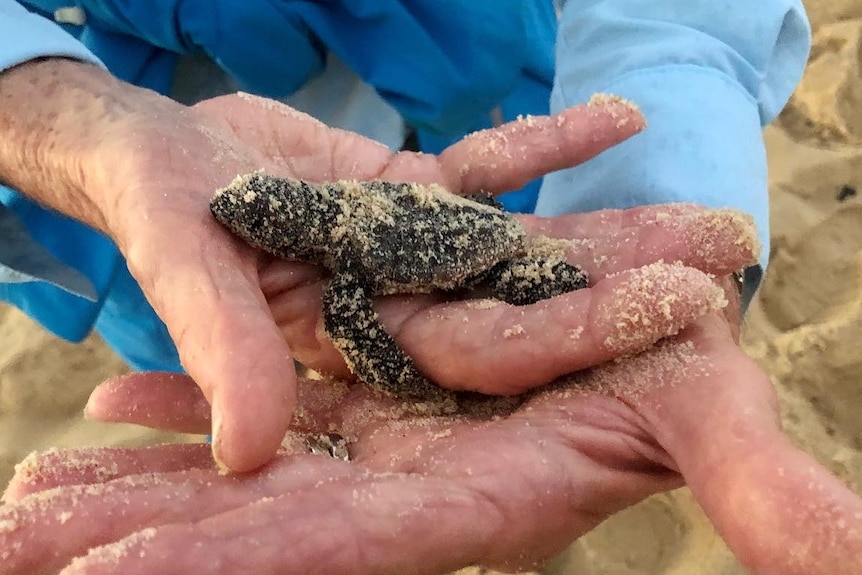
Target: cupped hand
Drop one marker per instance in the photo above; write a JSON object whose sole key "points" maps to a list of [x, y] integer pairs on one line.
{"points": [[238, 319], [431, 494]]}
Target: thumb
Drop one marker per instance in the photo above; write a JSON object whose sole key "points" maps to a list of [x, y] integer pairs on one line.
{"points": [[205, 288], [715, 413]]}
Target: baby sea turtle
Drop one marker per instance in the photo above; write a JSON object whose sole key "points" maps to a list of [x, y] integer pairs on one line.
{"points": [[377, 238]]}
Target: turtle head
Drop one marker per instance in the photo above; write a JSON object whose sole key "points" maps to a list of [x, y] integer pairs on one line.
{"points": [[286, 217]]}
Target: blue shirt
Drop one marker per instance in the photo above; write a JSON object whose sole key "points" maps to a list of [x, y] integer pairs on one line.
{"points": [[708, 76]]}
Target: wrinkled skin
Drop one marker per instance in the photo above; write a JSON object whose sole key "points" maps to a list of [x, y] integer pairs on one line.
{"points": [[142, 168], [427, 496]]}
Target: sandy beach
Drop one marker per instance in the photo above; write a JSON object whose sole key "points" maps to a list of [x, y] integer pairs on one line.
{"points": [[804, 328]]}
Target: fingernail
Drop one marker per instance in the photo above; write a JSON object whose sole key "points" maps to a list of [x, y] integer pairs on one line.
{"points": [[217, 445], [612, 101]]}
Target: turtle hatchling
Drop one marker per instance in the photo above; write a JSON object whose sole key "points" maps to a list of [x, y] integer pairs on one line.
{"points": [[376, 238]]}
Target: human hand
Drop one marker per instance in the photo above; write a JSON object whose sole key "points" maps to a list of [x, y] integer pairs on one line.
{"points": [[142, 169], [427, 495]]}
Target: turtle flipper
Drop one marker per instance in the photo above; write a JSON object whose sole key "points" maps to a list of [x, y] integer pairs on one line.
{"points": [[369, 351], [525, 281], [486, 199]]}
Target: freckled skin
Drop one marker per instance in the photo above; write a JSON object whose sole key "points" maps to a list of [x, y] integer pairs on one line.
{"points": [[380, 238]]}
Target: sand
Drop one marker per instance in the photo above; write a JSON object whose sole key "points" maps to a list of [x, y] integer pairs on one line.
{"points": [[804, 328]]}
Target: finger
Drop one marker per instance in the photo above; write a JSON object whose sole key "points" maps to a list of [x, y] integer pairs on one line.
{"points": [[173, 402], [349, 531], [495, 160], [603, 243], [502, 349], [492, 347], [203, 285], [167, 401], [57, 468], [298, 144], [343, 530], [51, 528], [466, 507], [777, 508], [505, 158], [717, 242]]}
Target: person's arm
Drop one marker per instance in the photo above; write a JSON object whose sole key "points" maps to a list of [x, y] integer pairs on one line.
{"points": [[50, 144], [707, 75], [33, 134], [22, 258]]}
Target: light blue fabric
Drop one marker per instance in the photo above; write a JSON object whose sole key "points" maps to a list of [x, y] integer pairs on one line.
{"points": [[707, 74], [27, 36]]}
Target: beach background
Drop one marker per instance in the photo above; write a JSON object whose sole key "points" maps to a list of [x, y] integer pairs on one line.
{"points": [[804, 328]]}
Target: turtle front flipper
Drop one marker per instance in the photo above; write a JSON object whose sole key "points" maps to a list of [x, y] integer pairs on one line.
{"points": [[486, 199], [369, 351]]}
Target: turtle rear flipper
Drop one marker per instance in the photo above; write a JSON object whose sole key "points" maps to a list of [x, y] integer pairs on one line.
{"points": [[525, 281], [369, 351]]}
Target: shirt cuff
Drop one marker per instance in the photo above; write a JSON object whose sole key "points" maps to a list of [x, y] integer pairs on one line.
{"points": [[28, 36]]}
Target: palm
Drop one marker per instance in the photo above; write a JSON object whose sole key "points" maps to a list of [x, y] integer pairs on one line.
{"points": [[550, 471], [503, 491]]}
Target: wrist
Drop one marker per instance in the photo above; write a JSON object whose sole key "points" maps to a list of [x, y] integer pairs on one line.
{"points": [[55, 115]]}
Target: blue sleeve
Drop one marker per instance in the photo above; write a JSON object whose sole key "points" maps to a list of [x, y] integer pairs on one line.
{"points": [[707, 75]]}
